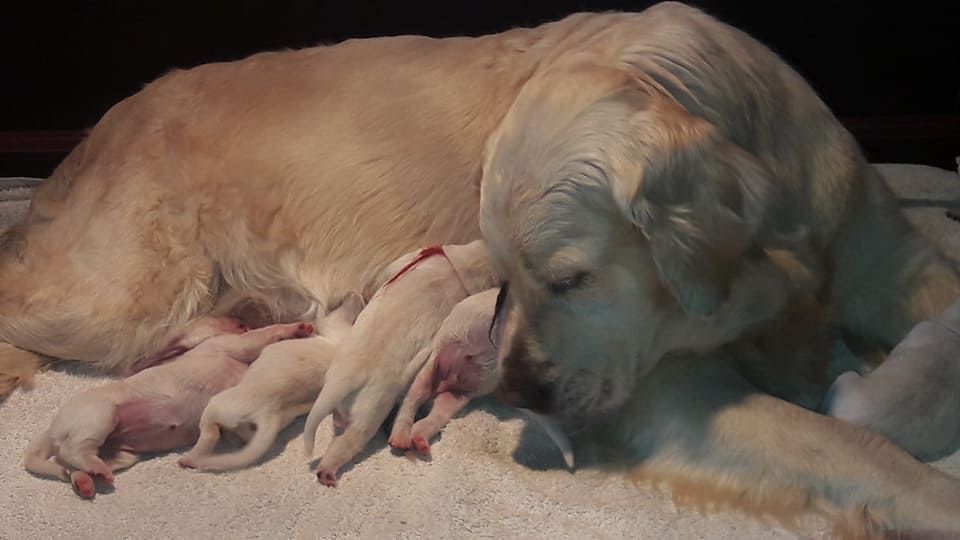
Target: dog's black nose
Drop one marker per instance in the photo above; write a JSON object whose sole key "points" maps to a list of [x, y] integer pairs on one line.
{"points": [[522, 383], [533, 396]]}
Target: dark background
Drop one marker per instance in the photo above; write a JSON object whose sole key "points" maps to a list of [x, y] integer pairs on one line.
{"points": [[891, 71]]}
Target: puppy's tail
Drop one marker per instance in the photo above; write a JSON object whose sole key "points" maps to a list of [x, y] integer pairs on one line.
{"points": [[17, 368], [330, 397], [267, 430], [38, 455]]}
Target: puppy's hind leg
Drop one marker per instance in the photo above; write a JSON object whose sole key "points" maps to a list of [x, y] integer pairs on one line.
{"points": [[246, 347], [121, 460], [268, 427], [82, 455], [369, 410], [206, 443], [340, 383], [38, 455]]}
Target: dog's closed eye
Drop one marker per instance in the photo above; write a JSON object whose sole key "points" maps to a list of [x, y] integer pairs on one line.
{"points": [[567, 284]]}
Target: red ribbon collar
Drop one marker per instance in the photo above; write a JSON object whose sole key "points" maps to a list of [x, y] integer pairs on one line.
{"points": [[425, 253]]}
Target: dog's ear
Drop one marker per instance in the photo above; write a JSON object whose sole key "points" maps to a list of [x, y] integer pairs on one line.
{"points": [[700, 201]]}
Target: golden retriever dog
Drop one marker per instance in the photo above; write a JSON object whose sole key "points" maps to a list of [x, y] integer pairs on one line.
{"points": [[638, 201], [638, 170]]}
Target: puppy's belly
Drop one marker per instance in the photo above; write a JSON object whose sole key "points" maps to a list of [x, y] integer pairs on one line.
{"points": [[147, 425]]}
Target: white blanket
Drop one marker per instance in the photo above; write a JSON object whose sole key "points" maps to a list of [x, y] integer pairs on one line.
{"points": [[491, 475]]}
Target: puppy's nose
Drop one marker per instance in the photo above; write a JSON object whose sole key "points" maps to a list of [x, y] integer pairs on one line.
{"points": [[522, 386]]}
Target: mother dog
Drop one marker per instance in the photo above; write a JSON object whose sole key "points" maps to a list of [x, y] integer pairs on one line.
{"points": [[294, 177]]}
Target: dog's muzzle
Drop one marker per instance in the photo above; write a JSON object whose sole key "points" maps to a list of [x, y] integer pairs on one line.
{"points": [[522, 384]]}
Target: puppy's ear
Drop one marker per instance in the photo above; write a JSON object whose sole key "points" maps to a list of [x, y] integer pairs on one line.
{"points": [[700, 201]]}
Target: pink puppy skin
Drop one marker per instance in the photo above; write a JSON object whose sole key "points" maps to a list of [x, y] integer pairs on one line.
{"points": [[104, 429], [462, 365]]}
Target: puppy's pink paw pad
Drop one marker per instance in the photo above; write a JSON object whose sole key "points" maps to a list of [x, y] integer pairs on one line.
{"points": [[304, 330], [421, 445], [327, 478], [84, 486]]}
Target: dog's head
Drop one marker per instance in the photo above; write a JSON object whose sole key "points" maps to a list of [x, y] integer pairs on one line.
{"points": [[622, 228]]}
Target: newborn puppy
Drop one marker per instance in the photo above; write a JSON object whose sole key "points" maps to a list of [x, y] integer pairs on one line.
{"points": [[104, 429], [462, 365], [280, 386], [389, 343], [912, 398]]}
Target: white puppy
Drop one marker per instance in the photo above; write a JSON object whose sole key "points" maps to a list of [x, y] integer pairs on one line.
{"points": [[462, 365], [912, 397], [281, 385], [389, 343], [104, 429]]}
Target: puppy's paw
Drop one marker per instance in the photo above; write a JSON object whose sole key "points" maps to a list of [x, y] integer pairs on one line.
{"points": [[304, 330], [400, 437], [399, 443], [844, 399], [327, 477], [421, 444], [83, 484], [187, 462]]}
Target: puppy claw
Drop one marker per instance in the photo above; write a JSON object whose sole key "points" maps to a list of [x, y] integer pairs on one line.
{"points": [[186, 463]]}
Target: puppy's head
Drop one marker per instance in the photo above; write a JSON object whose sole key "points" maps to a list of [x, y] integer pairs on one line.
{"points": [[622, 228]]}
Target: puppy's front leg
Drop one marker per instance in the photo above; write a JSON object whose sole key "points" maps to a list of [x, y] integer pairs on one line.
{"points": [[445, 406], [696, 418], [246, 347]]}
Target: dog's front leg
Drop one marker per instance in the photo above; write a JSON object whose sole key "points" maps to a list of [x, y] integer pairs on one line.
{"points": [[695, 419]]}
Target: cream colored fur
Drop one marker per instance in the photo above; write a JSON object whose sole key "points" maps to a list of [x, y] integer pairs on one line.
{"points": [[295, 177], [280, 386], [633, 199]]}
